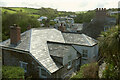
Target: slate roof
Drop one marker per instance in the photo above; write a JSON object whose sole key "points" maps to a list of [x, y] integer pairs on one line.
{"points": [[79, 39], [39, 48], [58, 49], [35, 41], [23, 45]]}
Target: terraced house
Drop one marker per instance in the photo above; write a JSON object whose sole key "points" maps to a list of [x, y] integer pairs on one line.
{"points": [[47, 52]]}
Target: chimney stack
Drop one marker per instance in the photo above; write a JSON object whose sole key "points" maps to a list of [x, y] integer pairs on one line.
{"points": [[101, 14], [15, 32], [61, 27]]}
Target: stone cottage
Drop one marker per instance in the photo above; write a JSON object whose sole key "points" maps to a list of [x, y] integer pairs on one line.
{"points": [[47, 52]]}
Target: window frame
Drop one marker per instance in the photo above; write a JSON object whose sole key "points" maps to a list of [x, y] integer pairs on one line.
{"points": [[69, 65], [21, 65], [40, 74], [84, 53], [78, 62]]}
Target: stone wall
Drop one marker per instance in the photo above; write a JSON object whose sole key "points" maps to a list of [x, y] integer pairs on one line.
{"points": [[11, 58]]}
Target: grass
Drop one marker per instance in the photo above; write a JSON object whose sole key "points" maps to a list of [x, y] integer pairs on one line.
{"points": [[9, 11], [78, 12], [36, 16], [27, 10], [30, 11]]}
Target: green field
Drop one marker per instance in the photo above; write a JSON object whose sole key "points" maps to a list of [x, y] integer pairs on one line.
{"points": [[48, 12], [78, 12], [29, 11], [9, 11]]}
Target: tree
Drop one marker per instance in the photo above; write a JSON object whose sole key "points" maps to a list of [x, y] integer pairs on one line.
{"points": [[85, 17], [21, 19], [109, 44]]}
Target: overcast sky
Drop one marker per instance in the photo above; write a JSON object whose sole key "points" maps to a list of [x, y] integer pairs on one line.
{"points": [[61, 5]]}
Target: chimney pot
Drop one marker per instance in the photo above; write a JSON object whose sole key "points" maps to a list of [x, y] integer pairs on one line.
{"points": [[96, 9], [102, 9], [62, 27]]}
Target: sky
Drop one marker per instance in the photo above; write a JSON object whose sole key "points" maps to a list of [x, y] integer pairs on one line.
{"points": [[62, 5]]}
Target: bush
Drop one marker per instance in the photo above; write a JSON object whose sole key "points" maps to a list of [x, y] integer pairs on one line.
{"points": [[85, 17], [109, 47], [91, 71], [12, 72], [87, 71], [110, 71]]}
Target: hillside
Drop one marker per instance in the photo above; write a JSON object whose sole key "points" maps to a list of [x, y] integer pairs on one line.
{"points": [[49, 12], [23, 17]]}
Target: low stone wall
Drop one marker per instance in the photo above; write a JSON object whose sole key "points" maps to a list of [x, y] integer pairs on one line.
{"points": [[101, 69]]}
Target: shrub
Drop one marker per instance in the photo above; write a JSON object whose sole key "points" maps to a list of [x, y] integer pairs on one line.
{"points": [[109, 47], [110, 71], [87, 71], [12, 72], [90, 71]]}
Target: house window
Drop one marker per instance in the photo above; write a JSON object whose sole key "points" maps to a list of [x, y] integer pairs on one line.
{"points": [[85, 53], [77, 62], [42, 72], [69, 65], [23, 65]]}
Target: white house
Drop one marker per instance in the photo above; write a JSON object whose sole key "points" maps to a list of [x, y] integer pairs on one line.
{"points": [[41, 18], [85, 45]]}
